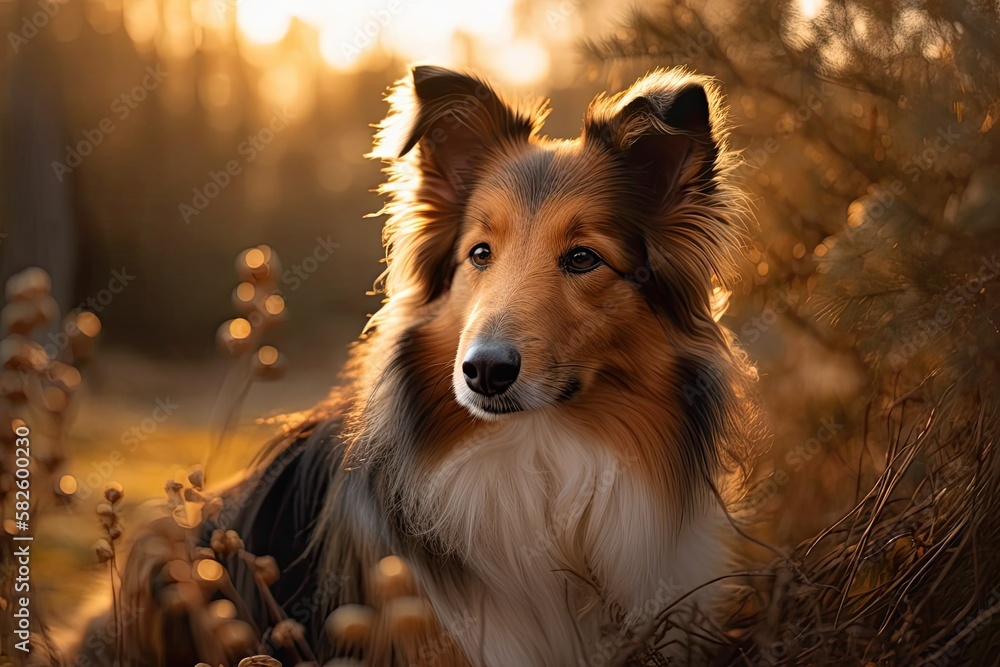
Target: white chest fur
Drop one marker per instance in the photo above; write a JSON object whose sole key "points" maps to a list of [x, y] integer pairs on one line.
{"points": [[555, 532]]}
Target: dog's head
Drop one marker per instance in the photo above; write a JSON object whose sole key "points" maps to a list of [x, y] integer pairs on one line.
{"points": [[567, 264]]}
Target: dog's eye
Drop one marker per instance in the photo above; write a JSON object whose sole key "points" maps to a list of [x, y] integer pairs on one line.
{"points": [[481, 255], [581, 260]]}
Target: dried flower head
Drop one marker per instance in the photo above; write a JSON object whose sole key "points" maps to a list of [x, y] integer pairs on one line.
{"points": [[106, 513], [213, 508], [259, 661], [351, 623], [226, 542], [266, 568], [197, 478], [173, 491], [114, 492], [192, 496], [288, 632], [31, 283], [105, 551]]}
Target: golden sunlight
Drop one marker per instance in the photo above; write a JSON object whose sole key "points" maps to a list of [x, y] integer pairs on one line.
{"points": [[353, 35]]}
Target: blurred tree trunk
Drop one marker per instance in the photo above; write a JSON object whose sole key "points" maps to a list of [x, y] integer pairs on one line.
{"points": [[40, 224]]}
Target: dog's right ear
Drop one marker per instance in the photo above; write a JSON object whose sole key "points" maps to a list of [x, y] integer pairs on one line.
{"points": [[453, 120], [441, 129]]}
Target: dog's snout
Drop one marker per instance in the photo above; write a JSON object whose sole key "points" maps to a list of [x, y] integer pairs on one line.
{"points": [[491, 367]]}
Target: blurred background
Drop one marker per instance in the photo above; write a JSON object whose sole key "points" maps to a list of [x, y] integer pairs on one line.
{"points": [[146, 143]]}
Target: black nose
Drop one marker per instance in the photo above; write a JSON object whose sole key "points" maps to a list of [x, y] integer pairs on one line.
{"points": [[491, 367]]}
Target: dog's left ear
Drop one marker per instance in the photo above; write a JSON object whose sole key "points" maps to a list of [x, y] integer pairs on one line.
{"points": [[663, 129], [668, 133]]}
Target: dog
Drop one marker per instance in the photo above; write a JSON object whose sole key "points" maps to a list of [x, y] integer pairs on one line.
{"points": [[545, 417]]}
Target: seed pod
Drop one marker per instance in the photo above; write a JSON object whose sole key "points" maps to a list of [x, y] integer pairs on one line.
{"points": [[266, 568], [54, 399], [173, 491], [269, 364], [12, 386], [233, 541], [67, 377], [106, 514], [197, 478], [31, 283], [259, 661], [222, 609], [351, 624], [218, 541], [408, 616], [392, 578], [208, 570], [288, 632], [114, 492], [104, 550], [19, 353], [23, 317], [67, 486], [258, 265], [83, 327], [236, 637], [233, 336], [213, 508], [244, 298]]}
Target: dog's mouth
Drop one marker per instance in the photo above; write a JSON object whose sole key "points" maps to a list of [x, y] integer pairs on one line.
{"points": [[517, 399]]}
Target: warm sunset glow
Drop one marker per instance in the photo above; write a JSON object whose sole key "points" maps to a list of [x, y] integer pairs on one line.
{"points": [[811, 8], [522, 62], [347, 36], [262, 21]]}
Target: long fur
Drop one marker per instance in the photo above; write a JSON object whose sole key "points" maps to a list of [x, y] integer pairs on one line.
{"points": [[537, 536]]}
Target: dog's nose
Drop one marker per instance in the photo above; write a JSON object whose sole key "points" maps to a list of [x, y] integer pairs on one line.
{"points": [[491, 367]]}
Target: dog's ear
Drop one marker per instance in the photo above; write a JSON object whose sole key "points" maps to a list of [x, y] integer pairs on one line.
{"points": [[668, 133], [663, 129], [441, 131], [454, 120]]}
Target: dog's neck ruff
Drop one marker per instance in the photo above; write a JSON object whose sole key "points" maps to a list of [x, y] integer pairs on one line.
{"points": [[564, 546]]}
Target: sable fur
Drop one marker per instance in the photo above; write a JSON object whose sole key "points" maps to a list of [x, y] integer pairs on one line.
{"points": [[536, 534]]}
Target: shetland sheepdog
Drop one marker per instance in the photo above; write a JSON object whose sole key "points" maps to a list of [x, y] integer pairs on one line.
{"points": [[544, 418]]}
